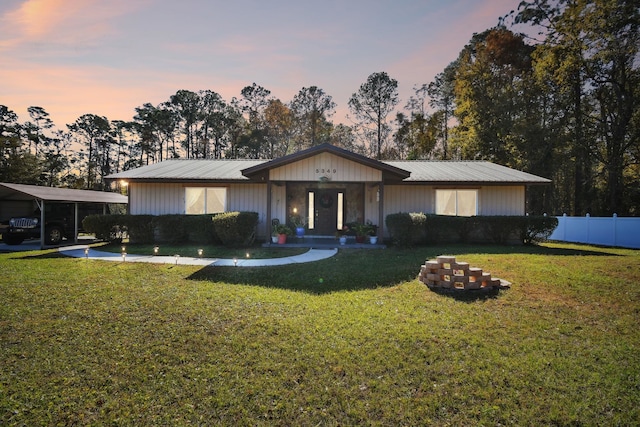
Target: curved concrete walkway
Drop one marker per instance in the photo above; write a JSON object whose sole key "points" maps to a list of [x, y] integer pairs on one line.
{"points": [[309, 256]]}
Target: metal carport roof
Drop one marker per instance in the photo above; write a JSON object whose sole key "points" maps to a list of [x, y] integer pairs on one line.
{"points": [[10, 191], [41, 195]]}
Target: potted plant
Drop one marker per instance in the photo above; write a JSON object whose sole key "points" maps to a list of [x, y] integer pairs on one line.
{"points": [[372, 233], [274, 236], [283, 231], [362, 231], [299, 223], [340, 235]]}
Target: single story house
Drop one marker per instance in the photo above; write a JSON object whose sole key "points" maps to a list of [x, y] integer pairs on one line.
{"points": [[327, 185]]}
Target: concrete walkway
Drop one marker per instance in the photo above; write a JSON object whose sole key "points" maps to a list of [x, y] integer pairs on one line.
{"points": [[310, 256]]}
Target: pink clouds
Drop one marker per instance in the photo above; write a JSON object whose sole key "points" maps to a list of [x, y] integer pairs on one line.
{"points": [[73, 57], [63, 21]]}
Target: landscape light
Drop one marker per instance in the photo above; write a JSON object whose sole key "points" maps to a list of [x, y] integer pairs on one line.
{"points": [[124, 248], [86, 252], [235, 262], [155, 250], [200, 253], [247, 254], [124, 256], [177, 258]]}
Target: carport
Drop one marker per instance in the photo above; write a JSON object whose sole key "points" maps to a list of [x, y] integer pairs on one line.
{"points": [[14, 197]]}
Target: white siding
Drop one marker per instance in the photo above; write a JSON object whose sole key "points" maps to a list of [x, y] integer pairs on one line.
{"points": [[249, 198], [335, 168], [501, 200], [156, 199], [408, 198], [163, 199], [492, 200]]}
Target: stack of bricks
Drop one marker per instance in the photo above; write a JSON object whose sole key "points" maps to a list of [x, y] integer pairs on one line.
{"points": [[446, 273]]}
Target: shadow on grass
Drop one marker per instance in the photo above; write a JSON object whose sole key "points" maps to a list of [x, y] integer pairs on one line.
{"points": [[46, 255], [455, 249], [470, 295], [348, 270], [357, 269]]}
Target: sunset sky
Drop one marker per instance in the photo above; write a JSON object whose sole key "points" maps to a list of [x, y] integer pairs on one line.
{"points": [[107, 57]]}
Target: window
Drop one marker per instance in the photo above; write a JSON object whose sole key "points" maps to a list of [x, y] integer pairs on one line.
{"points": [[311, 203], [457, 202], [201, 200]]}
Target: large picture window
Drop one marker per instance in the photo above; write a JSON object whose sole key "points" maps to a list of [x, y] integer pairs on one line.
{"points": [[457, 202], [201, 200]]}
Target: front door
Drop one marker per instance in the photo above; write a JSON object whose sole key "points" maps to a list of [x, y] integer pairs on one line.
{"points": [[328, 210]]}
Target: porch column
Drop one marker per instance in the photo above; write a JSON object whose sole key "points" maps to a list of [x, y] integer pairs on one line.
{"points": [[381, 213], [268, 228]]}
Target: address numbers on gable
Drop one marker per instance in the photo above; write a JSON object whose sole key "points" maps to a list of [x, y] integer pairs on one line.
{"points": [[318, 170]]}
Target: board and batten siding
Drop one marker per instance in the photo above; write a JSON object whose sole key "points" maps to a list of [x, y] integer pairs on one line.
{"points": [[156, 199], [168, 198], [492, 200], [326, 166], [408, 198], [501, 200], [249, 198]]}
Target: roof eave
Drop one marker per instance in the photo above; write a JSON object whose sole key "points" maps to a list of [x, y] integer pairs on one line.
{"points": [[259, 171], [488, 183]]}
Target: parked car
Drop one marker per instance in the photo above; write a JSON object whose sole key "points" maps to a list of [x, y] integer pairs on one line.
{"points": [[59, 223]]}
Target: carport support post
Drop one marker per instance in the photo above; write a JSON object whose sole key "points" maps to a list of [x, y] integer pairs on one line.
{"points": [[41, 204], [75, 222]]}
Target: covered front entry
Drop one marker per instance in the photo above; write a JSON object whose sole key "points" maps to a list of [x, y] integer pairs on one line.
{"points": [[327, 187], [325, 207]]}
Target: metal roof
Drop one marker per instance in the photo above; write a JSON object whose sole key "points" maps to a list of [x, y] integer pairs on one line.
{"points": [[10, 191], [413, 171], [200, 170], [475, 172]]}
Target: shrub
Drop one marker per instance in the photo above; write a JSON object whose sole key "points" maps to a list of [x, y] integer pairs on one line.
{"points": [[139, 228], [200, 228], [538, 228], [236, 228], [406, 228], [449, 229], [170, 229], [501, 229], [523, 229], [105, 227]]}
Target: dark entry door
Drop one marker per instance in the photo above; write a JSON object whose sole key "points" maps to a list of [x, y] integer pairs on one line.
{"points": [[328, 206]]}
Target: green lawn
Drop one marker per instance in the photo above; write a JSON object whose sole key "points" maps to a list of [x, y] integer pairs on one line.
{"points": [[351, 340]]}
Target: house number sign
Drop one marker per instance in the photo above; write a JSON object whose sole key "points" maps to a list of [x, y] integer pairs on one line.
{"points": [[326, 170]]}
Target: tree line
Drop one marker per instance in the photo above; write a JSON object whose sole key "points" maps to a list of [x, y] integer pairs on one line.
{"points": [[562, 105]]}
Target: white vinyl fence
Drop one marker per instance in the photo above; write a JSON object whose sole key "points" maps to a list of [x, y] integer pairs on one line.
{"points": [[605, 231]]}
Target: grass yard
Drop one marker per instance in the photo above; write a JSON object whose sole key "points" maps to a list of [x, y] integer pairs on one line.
{"points": [[351, 340]]}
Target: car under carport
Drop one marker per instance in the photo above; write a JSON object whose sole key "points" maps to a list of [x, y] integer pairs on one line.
{"points": [[19, 200]]}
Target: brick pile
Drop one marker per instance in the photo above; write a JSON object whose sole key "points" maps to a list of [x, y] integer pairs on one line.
{"points": [[446, 273]]}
